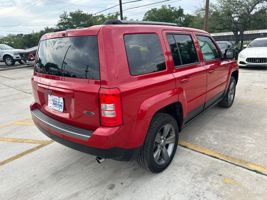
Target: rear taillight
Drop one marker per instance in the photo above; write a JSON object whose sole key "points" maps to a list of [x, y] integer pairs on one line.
{"points": [[110, 107]]}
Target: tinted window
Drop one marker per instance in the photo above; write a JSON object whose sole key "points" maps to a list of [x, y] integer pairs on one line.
{"points": [[258, 43], [75, 57], [174, 49], [144, 53], [208, 48], [183, 49], [186, 48]]}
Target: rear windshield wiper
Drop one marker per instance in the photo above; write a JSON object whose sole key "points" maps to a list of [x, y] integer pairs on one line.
{"points": [[65, 55]]}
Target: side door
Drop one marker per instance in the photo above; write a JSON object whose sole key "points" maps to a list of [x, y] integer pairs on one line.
{"points": [[217, 71], [189, 74]]}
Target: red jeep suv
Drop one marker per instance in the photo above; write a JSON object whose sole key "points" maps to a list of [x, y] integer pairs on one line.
{"points": [[125, 89]]}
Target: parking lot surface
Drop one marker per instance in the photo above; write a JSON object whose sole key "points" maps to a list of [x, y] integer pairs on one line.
{"points": [[4, 67], [222, 154]]}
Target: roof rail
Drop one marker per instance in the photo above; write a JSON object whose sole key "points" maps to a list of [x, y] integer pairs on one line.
{"points": [[116, 21]]}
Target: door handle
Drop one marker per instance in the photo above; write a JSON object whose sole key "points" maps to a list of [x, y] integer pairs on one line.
{"points": [[184, 80], [211, 70]]}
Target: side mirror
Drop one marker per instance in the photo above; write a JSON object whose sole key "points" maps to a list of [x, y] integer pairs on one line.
{"points": [[229, 54]]}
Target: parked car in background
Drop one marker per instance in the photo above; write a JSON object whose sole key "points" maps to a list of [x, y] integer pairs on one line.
{"points": [[9, 55], [126, 89], [30, 53], [223, 45], [255, 55]]}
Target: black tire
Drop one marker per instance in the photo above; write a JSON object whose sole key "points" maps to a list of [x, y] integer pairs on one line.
{"points": [[152, 146], [229, 97], [9, 61], [22, 62]]}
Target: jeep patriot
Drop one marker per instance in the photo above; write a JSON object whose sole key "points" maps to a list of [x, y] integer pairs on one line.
{"points": [[125, 90]]}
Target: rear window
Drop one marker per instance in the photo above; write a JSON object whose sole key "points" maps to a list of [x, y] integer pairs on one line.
{"points": [[144, 53], [75, 57]]}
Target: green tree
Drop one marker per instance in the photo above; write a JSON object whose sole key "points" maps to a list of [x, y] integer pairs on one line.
{"points": [[259, 20], [78, 19], [75, 19], [198, 20], [238, 16], [190, 21], [100, 19], [23, 41], [168, 14]]}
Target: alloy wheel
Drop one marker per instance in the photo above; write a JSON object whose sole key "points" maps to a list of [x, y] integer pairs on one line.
{"points": [[231, 93], [8, 61], [164, 144]]}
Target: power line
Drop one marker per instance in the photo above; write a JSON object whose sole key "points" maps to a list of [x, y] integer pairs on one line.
{"points": [[32, 4], [145, 5], [131, 8], [116, 6], [106, 9]]}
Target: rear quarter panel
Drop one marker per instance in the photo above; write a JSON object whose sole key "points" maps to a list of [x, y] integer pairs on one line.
{"points": [[142, 95]]}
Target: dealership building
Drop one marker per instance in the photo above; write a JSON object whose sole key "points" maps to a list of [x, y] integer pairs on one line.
{"points": [[248, 35]]}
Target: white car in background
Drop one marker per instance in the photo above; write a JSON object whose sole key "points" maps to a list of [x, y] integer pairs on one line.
{"points": [[255, 55], [9, 55]]}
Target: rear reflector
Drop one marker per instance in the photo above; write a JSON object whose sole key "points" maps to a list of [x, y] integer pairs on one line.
{"points": [[110, 105]]}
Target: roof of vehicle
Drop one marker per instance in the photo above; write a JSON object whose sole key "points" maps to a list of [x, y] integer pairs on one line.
{"points": [[93, 30], [265, 38]]}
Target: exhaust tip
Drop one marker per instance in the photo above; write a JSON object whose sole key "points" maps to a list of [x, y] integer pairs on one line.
{"points": [[99, 160]]}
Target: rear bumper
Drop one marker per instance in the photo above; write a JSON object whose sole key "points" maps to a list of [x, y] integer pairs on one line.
{"points": [[64, 129], [96, 142]]}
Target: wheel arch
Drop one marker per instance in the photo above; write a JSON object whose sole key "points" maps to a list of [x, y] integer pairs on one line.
{"points": [[7, 54], [166, 102], [176, 111], [235, 74]]}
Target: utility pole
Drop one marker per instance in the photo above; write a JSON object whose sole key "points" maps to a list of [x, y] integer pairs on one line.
{"points": [[206, 18], [121, 14]]}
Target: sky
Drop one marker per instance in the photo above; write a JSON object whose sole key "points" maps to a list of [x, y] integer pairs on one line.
{"points": [[26, 16]]}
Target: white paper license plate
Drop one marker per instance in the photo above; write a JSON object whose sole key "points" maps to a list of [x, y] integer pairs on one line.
{"points": [[56, 103]]}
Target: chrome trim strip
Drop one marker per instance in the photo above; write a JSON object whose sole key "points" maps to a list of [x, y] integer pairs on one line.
{"points": [[64, 129]]}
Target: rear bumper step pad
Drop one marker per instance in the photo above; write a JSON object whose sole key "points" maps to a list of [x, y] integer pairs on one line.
{"points": [[63, 128]]}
